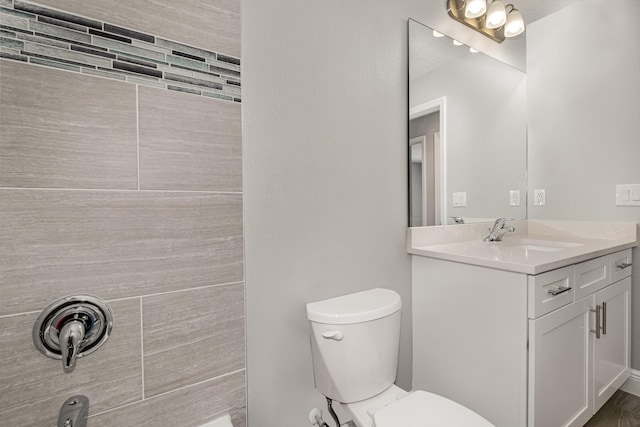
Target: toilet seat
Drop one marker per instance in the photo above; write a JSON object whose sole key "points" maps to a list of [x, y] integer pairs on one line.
{"points": [[424, 409]]}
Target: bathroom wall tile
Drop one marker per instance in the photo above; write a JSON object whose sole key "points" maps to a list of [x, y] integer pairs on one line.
{"points": [[63, 40], [38, 50], [189, 143], [192, 336], [33, 386], [39, 10], [65, 130], [122, 243], [212, 25], [188, 407], [59, 32]]}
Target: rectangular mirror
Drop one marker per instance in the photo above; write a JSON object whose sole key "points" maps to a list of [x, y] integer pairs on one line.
{"points": [[467, 133]]}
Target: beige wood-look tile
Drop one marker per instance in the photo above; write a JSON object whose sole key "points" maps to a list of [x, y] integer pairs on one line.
{"points": [[211, 24], [187, 407], [33, 386], [118, 243], [192, 336], [189, 142], [65, 130]]}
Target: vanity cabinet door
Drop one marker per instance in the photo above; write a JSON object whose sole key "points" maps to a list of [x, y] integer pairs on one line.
{"points": [[612, 350], [560, 375]]}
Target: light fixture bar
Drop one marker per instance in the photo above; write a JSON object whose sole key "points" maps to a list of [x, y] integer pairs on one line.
{"points": [[456, 8]]}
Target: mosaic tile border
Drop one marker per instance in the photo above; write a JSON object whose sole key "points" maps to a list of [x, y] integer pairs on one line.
{"points": [[51, 38]]}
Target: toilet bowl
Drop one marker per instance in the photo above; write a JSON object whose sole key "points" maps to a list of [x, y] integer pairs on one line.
{"points": [[395, 407], [223, 421], [355, 340]]}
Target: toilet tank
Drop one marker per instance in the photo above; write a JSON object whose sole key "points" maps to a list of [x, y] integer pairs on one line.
{"points": [[355, 340]]}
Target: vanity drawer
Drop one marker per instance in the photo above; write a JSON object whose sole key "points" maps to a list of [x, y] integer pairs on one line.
{"points": [[549, 291], [620, 264], [592, 276]]}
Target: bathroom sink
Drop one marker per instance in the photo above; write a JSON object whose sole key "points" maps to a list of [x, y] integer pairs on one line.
{"points": [[541, 245], [540, 248]]}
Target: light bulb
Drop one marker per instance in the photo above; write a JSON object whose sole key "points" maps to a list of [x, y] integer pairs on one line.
{"points": [[475, 8], [496, 15], [437, 34], [457, 43], [472, 50], [514, 25]]}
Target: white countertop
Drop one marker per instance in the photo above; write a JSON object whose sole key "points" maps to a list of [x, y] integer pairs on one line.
{"points": [[536, 247]]}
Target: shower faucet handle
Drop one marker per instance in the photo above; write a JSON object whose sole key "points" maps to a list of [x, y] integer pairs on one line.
{"points": [[72, 327], [70, 339]]}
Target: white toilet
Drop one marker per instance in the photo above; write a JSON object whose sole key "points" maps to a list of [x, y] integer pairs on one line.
{"points": [[354, 342]]}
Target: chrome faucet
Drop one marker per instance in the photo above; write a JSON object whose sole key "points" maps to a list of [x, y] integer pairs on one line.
{"points": [[71, 337], [71, 327], [74, 412], [498, 230]]}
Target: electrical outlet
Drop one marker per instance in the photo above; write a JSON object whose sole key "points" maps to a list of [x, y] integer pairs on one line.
{"points": [[460, 199], [514, 198], [539, 198]]}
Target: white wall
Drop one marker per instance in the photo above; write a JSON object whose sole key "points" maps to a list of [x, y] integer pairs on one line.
{"points": [[583, 72], [325, 176]]}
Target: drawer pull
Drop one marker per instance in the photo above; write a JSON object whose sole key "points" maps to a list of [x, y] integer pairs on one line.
{"points": [[559, 290], [623, 265]]}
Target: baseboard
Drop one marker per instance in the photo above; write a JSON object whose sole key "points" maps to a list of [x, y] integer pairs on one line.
{"points": [[632, 385]]}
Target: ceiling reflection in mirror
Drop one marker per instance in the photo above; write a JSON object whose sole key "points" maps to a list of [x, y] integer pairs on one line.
{"points": [[467, 133]]}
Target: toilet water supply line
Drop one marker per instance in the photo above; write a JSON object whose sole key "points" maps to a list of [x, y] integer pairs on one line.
{"points": [[315, 416], [332, 412], [320, 422]]}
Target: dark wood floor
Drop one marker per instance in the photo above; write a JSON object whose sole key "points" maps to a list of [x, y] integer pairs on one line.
{"points": [[622, 410]]}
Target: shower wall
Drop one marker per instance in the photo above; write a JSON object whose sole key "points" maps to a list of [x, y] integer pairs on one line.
{"points": [[120, 177]]}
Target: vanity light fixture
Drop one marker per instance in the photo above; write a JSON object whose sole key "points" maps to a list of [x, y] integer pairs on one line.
{"points": [[475, 8], [496, 21]]}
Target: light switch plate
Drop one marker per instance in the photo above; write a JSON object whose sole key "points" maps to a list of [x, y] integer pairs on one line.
{"points": [[460, 199], [539, 198], [628, 195]]}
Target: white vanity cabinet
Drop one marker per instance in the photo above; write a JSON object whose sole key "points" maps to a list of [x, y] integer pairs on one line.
{"points": [[573, 370], [521, 350]]}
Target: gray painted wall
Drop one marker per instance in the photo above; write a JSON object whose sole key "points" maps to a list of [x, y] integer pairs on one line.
{"points": [[325, 176], [583, 68]]}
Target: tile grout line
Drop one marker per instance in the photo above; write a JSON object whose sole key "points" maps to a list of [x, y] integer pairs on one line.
{"points": [[138, 130], [142, 347], [169, 392], [109, 300], [117, 190], [175, 291]]}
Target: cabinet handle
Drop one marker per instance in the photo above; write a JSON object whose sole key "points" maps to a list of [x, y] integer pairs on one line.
{"points": [[623, 265], [604, 318], [559, 290], [598, 327]]}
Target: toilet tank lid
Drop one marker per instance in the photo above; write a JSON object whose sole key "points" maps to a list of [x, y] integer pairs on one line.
{"points": [[355, 308]]}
